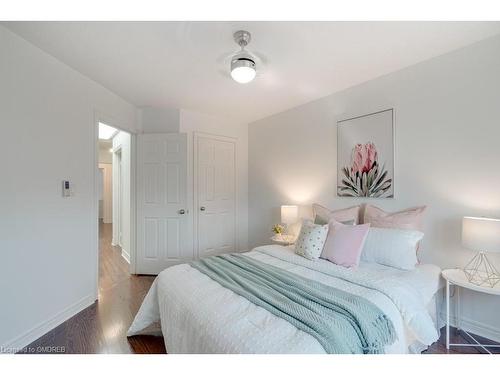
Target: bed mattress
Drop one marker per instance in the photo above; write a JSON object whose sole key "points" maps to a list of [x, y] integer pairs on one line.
{"points": [[198, 315]]}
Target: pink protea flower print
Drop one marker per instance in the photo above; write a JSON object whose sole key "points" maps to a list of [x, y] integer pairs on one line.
{"points": [[364, 177], [357, 158], [363, 157], [371, 156]]}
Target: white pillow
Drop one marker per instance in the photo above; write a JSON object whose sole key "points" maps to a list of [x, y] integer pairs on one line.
{"points": [[311, 240], [391, 247]]}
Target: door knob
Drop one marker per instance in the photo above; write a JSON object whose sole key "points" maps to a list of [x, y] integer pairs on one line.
{"points": [[182, 211], [202, 208]]}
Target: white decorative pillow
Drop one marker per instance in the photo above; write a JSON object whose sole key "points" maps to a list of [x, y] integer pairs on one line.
{"points": [[311, 240], [391, 247]]}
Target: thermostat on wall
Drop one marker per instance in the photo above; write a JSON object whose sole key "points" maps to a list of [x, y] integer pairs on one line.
{"points": [[66, 188]]}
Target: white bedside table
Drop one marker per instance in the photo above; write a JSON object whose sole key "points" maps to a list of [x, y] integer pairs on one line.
{"points": [[284, 239], [457, 277]]}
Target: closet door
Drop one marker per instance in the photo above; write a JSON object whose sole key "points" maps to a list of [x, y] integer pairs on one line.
{"points": [[162, 217], [215, 194]]}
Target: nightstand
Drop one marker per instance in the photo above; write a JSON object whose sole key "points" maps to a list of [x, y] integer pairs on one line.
{"points": [[284, 239], [457, 278]]}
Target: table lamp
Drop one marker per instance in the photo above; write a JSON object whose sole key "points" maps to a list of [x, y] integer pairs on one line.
{"points": [[482, 235], [289, 214]]}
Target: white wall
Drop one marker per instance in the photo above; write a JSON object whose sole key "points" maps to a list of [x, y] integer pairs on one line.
{"points": [[106, 203], [447, 155], [105, 156], [123, 142], [159, 120], [47, 242], [191, 122]]}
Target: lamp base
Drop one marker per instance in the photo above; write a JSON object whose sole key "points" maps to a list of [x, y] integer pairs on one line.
{"points": [[480, 271]]}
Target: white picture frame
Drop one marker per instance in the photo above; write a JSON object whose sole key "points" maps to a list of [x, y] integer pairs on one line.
{"points": [[366, 155]]}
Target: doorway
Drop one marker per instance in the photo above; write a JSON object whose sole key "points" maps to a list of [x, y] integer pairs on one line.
{"points": [[114, 179]]}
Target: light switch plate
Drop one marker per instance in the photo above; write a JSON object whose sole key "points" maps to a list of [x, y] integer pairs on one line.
{"points": [[66, 188]]}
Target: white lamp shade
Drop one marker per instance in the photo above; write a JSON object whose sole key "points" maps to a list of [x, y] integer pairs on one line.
{"points": [[289, 214], [481, 234], [243, 74]]}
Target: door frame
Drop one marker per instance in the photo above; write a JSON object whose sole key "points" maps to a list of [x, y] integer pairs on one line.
{"points": [[196, 137], [109, 120], [116, 239]]}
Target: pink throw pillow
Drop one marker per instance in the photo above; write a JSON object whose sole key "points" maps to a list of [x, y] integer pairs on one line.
{"points": [[411, 218], [344, 243], [322, 215]]}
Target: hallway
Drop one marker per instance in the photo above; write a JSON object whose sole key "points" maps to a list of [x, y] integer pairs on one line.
{"points": [[102, 327]]}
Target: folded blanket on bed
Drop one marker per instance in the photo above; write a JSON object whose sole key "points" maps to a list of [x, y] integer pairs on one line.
{"points": [[340, 321]]}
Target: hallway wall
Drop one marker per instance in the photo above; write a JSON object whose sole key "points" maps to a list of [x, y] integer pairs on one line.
{"points": [[123, 142], [106, 204]]}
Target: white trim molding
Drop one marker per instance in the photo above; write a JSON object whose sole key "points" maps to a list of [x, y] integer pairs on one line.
{"points": [[473, 326], [41, 329], [126, 256]]}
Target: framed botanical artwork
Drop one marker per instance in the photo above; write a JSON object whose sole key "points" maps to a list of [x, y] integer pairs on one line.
{"points": [[365, 155]]}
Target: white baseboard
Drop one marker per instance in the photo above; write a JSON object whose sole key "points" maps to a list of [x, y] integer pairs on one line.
{"points": [[41, 329], [126, 256], [475, 327]]}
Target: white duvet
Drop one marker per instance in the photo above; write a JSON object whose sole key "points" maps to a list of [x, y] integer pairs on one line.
{"points": [[198, 315]]}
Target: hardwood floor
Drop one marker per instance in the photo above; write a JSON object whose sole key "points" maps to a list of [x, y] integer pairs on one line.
{"points": [[102, 327], [459, 337]]}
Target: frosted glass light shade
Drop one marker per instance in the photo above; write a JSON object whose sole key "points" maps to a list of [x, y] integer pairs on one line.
{"points": [[481, 234], [289, 214], [243, 74]]}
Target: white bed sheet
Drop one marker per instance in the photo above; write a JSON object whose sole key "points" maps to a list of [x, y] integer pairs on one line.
{"points": [[198, 315], [427, 280]]}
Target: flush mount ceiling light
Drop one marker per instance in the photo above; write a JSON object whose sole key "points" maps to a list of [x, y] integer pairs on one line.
{"points": [[243, 63]]}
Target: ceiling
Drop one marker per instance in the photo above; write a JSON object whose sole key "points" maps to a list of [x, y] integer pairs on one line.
{"points": [[186, 64]]}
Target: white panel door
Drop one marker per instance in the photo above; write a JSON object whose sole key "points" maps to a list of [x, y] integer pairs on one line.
{"points": [[215, 189], [161, 202]]}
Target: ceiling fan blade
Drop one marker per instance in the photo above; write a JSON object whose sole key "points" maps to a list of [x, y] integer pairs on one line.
{"points": [[226, 57], [260, 58]]}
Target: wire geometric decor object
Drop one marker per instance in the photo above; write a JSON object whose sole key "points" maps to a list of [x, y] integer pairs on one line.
{"points": [[480, 271]]}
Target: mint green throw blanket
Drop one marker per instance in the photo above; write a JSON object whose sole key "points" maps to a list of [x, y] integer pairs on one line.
{"points": [[340, 321]]}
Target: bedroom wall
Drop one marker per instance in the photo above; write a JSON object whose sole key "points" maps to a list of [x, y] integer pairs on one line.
{"points": [[46, 241], [191, 122], [447, 130], [158, 120]]}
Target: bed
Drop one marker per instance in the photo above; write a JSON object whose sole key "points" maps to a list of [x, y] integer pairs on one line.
{"points": [[198, 315]]}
